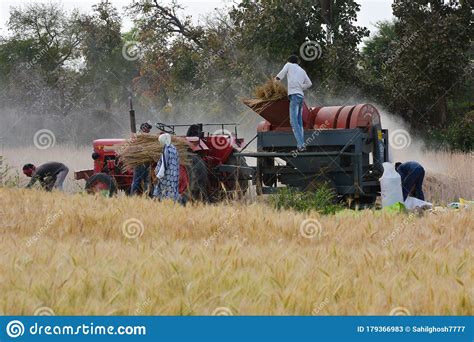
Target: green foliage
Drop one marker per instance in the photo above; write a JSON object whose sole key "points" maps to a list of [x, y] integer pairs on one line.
{"points": [[418, 66], [321, 200], [272, 30], [417, 63], [458, 135], [101, 45], [51, 30]]}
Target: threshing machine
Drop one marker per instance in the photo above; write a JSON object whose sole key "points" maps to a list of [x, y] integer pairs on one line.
{"points": [[345, 148]]}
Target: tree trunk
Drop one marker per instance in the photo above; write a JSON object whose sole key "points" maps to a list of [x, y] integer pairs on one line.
{"points": [[107, 100], [441, 111]]}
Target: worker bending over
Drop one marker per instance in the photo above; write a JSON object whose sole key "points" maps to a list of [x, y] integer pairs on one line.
{"points": [[298, 82], [49, 175], [412, 175]]}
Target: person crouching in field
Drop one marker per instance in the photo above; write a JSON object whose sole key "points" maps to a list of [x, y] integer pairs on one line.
{"points": [[167, 171], [141, 173], [412, 175], [49, 175], [298, 82]]}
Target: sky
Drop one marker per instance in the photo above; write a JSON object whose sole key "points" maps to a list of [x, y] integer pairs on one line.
{"points": [[371, 11]]}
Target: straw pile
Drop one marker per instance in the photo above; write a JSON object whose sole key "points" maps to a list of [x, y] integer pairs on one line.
{"points": [[266, 94], [145, 149], [271, 90]]}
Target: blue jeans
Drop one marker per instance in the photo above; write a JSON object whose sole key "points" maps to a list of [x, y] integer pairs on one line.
{"points": [[141, 173], [412, 183], [296, 118]]}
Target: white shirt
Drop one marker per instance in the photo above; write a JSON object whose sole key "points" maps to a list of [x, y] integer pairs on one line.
{"points": [[298, 80]]}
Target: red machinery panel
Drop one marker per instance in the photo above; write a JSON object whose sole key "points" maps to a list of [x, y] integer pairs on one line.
{"points": [[276, 115], [364, 115], [344, 117], [326, 117]]}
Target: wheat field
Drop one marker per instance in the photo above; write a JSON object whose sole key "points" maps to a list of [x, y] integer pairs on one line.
{"points": [[449, 175], [75, 254]]}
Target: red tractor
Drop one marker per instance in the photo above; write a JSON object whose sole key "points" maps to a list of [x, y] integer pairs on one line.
{"points": [[216, 171]]}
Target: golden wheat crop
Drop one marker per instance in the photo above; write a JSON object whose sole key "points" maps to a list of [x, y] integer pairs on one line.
{"points": [[73, 254]]}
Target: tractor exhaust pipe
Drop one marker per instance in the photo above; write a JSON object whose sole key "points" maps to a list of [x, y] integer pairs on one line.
{"points": [[133, 123]]}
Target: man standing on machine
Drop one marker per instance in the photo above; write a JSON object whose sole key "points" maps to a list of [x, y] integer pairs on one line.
{"points": [[298, 82]]}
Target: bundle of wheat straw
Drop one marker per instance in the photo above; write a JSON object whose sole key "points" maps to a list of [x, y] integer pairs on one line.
{"points": [[145, 149], [271, 91]]}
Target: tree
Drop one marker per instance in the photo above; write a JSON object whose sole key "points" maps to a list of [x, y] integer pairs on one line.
{"points": [[106, 69], [376, 54], [271, 30], [53, 32], [430, 60], [155, 18], [51, 36]]}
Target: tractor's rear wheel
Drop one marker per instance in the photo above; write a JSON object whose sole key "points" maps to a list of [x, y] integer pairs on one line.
{"points": [[235, 184], [198, 180], [101, 183], [362, 202]]}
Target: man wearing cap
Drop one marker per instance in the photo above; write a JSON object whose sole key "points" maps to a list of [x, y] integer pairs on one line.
{"points": [[49, 175], [141, 173], [298, 82]]}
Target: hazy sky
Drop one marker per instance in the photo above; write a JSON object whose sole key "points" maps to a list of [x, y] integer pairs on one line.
{"points": [[371, 10]]}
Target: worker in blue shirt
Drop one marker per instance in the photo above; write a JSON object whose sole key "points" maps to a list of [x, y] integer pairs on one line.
{"points": [[412, 174]]}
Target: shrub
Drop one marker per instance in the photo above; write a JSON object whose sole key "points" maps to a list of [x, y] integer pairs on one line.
{"points": [[458, 135], [8, 178], [322, 200]]}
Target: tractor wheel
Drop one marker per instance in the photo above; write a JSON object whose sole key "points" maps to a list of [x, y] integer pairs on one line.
{"points": [[234, 184], [101, 183], [268, 179], [198, 180], [363, 202]]}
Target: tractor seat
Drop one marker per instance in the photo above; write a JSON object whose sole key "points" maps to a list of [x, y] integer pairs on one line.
{"points": [[195, 131]]}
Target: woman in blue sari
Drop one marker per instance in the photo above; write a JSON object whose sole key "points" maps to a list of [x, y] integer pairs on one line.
{"points": [[167, 171]]}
